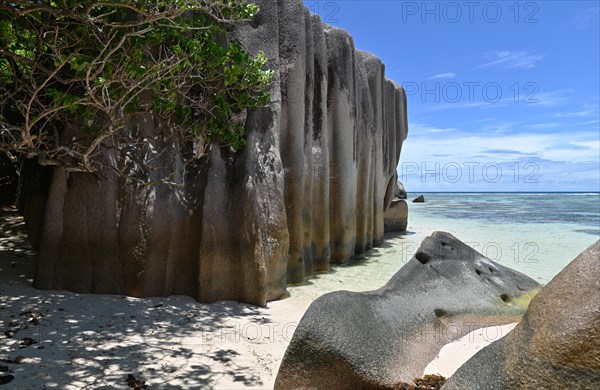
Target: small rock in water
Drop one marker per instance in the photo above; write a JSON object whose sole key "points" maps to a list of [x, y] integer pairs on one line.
{"points": [[419, 199]]}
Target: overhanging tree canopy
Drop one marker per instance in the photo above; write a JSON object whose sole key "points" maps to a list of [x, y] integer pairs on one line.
{"points": [[94, 65]]}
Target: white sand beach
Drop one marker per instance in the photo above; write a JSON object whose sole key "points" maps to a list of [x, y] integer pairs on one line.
{"points": [[81, 341], [85, 341], [455, 354], [58, 339]]}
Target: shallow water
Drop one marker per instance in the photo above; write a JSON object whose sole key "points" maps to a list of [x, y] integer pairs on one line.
{"points": [[537, 234]]}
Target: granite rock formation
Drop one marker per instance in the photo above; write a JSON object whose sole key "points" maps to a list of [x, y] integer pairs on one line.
{"points": [[396, 217], [419, 199], [377, 339], [400, 192], [310, 189], [557, 343]]}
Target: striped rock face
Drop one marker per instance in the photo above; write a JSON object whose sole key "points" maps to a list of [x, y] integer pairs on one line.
{"points": [[310, 188]]}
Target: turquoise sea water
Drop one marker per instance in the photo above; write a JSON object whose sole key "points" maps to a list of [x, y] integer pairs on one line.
{"points": [[577, 211], [535, 233]]}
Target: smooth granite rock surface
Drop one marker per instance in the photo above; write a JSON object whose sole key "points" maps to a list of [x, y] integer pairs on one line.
{"points": [[557, 343], [396, 217], [376, 339], [400, 192]]}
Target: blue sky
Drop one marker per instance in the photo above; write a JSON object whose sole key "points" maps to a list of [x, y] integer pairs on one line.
{"points": [[502, 95]]}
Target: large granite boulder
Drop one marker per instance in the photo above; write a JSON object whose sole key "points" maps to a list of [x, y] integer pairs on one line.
{"points": [[309, 189], [399, 191], [557, 343], [395, 218], [376, 339]]}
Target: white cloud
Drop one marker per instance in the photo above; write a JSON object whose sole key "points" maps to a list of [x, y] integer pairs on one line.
{"points": [[459, 161], [432, 107], [429, 143], [498, 127], [478, 121], [571, 114], [586, 123], [592, 145], [461, 146], [588, 109], [547, 125], [573, 154], [511, 59], [422, 103], [449, 75], [551, 98], [420, 128]]}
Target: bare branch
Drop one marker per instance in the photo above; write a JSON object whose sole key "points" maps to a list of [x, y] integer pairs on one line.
{"points": [[73, 78]]}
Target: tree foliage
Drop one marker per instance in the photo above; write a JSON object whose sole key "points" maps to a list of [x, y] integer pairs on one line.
{"points": [[94, 65]]}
